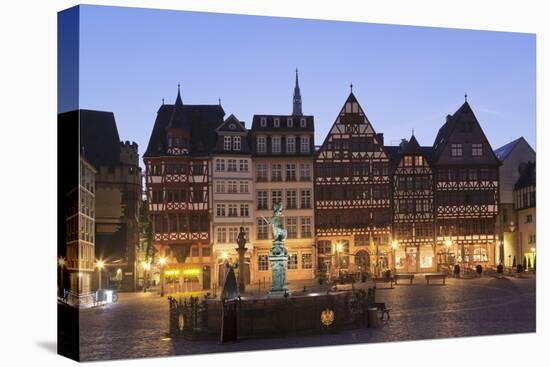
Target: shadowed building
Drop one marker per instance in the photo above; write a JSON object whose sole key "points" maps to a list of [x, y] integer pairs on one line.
{"points": [[178, 182], [117, 196]]}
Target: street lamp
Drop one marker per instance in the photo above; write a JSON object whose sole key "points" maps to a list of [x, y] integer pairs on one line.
{"points": [[61, 263], [394, 245], [162, 262], [100, 264]]}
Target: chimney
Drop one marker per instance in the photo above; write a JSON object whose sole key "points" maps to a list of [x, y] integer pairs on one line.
{"points": [[380, 138]]}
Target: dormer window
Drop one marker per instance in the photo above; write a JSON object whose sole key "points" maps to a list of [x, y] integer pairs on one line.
{"points": [[289, 122], [263, 122], [456, 150], [276, 122], [227, 143], [303, 122], [237, 143]]}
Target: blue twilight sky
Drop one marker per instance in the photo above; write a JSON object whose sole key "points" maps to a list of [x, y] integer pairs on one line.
{"points": [[404, 77]]}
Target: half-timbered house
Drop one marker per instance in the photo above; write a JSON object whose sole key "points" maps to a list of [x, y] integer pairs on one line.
{"points": [[177, 183], [466, 173], [352, 195]]}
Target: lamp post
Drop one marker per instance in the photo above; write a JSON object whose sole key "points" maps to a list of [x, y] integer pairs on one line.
{"points": [[100, 264], [394, 245], [61, 263], [339, 249], [162, 262]]}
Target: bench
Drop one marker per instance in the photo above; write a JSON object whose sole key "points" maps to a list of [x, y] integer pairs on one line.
{"points": [[435, 277], [383, 280], [409, 277], [381, 307]]}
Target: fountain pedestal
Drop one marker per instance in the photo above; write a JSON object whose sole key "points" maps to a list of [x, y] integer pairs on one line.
{"points": [[278, 257]]}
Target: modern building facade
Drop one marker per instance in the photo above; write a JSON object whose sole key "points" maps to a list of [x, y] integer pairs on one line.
{"points": [[525, 200], [513, 156], [282, 162], [232, 193], [178, 183], [80, 231], [352, 195]]}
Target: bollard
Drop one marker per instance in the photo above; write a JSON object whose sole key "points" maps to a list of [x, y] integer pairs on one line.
{"points": [[372, 317]]}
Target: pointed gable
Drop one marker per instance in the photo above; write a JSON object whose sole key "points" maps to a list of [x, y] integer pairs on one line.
{"points": [[232, 124], [463, 130], [353, 130]]}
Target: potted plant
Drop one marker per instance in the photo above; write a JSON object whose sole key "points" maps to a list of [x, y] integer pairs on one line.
{"points": [[456, 271], [479, 269]]}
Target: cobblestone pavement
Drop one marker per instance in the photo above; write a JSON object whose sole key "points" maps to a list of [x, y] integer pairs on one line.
{"points": [[136, 326]]}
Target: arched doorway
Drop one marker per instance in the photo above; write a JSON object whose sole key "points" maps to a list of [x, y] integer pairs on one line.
{"points": [[362, 261]]}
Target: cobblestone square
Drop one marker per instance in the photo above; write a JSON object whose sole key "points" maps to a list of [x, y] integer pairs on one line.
{"points": [[137, 325]]}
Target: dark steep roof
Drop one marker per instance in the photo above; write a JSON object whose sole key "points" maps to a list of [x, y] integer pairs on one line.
{"points": [[178, 120], [99, 139], [202, 120], [527, 177], [504, 151], [256, 126], [410, 147], [446, 130]]}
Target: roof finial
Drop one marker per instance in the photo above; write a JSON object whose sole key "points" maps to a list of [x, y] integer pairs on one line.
{"points": [[413, 132], [163, 101], [465, 97], [351, 87], [219, 101]]}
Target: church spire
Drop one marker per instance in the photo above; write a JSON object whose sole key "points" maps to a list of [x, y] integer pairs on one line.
{"points": [[297, 99]]}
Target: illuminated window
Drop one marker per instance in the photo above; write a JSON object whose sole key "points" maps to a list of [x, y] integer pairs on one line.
{"points": [[262, 229], [307, 262], [263, 262], [293, 262]]}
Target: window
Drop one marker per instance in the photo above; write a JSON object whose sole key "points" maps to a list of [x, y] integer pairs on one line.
{"points": [[291, 172], [261, 229], [261, 172], [261, 144], [477, 150], [472, 175], [362, 240], [307, 262], [276, 197], [220, 164], [305, 228], [305, 199], [290, 144], [276, 174], [276, 144], [232, 165], [324, 247], [263, 122], [221, 235], [291, 227], [243, 165], [232, 187], [232, 210], [233, 233], [220, 186], [226, 143], [456, 150], [276, 122], [408, 161], [263, 263], [291, 199], [244, 210], [237, 143], [289, 122], [220, 210], [262, 199], [305, 172], [528, 218], [243, 187], [303, 122], [293, 262], [304, 144], [206, 251], [194, 251], [418, 161]]}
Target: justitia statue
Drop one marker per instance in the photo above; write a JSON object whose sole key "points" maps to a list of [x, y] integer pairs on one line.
{"points": [[278, 256]]}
